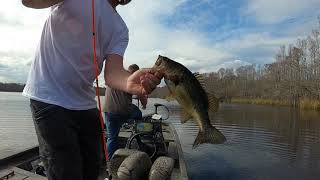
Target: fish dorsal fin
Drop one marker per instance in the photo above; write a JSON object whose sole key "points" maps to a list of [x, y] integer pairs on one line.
{"points": [[185, 116], [200, 78], [213, 103]]}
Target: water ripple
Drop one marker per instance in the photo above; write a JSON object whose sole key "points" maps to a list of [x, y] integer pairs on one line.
{"points": [[263, 142]]}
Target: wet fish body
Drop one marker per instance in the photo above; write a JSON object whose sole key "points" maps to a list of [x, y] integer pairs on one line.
{"points": [[186, 88]]}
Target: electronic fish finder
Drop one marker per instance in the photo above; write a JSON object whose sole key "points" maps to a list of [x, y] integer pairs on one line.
{"points": [[146, 134]]}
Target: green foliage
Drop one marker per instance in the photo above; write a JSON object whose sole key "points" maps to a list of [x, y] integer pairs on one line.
{"points": [[11, 87]]}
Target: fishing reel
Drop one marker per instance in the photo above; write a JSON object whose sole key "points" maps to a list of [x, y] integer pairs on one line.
{"points": [[147, 134]]}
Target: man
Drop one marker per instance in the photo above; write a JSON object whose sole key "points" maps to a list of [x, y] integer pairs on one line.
{"points": [[60, 83], [119, 109]]}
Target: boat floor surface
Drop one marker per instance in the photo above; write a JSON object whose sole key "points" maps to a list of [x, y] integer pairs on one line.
{"points": [[14, 171]]}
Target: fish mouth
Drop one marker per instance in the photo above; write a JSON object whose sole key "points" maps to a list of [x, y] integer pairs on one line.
{"points": [[157, 69], [159, 66], [159, 63]]}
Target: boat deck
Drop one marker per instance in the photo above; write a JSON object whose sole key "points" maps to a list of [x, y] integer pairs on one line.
{"points": [[9, 168], [15, 173], [174, 149]]}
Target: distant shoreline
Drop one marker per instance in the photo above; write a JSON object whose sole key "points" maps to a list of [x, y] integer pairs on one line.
{"points": [[13, 87], [10, 91], [305, 104]]}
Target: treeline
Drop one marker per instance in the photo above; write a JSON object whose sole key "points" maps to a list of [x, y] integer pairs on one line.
{"points": [[293, 79], [14, 87], [11, 87]]}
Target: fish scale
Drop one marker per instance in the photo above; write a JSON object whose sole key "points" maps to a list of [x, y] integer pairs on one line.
{"points": [[190, 94]]}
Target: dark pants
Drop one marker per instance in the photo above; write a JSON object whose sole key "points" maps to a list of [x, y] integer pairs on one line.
{"points": [[114, 122], [69, 141]]}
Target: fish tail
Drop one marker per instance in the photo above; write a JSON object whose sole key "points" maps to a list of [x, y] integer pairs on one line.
{"points": [[211, 135]]}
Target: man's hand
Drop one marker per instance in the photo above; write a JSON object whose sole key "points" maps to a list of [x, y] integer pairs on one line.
{"points": [[40, 4], [143, 82]]}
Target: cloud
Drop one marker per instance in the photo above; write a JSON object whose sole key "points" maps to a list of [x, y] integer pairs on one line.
{"points": [[232, 64], [256, 48], [185, 37], [149, 37], [14, 13], [14, 68], [275, 11], [20, 29], [203, 35]]}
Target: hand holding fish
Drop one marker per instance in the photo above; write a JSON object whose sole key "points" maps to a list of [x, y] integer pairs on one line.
{"points": [[143, 82]]}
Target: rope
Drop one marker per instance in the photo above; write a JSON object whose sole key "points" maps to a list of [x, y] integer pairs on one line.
{"points": [[96, 67]]}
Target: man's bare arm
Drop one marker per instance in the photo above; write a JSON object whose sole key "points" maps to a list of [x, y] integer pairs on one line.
{"points": [[141, 82], [115, 75], [40, 4]]}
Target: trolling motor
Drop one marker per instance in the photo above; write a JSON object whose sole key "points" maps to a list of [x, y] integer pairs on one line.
{"points": [[147, 134]]}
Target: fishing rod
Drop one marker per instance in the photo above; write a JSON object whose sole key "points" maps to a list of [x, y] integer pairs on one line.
{"points": [[96, 67]]}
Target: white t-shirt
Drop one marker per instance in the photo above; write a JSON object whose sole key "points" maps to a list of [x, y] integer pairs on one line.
{"points": [[63, 71]]}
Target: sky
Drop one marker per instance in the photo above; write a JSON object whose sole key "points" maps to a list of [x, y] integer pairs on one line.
{"points": [[204, 35]]}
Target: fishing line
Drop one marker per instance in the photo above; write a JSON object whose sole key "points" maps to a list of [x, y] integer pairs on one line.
{"points": [[96, 67]]}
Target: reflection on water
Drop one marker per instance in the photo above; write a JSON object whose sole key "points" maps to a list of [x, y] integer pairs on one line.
{"points": [[16, 127], [263, 142]]}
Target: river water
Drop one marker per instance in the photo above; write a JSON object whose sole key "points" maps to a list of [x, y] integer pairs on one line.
{"points": [[263, 142]]}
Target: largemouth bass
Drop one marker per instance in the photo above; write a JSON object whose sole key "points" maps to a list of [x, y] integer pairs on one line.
{"points": [[194, 100]]}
